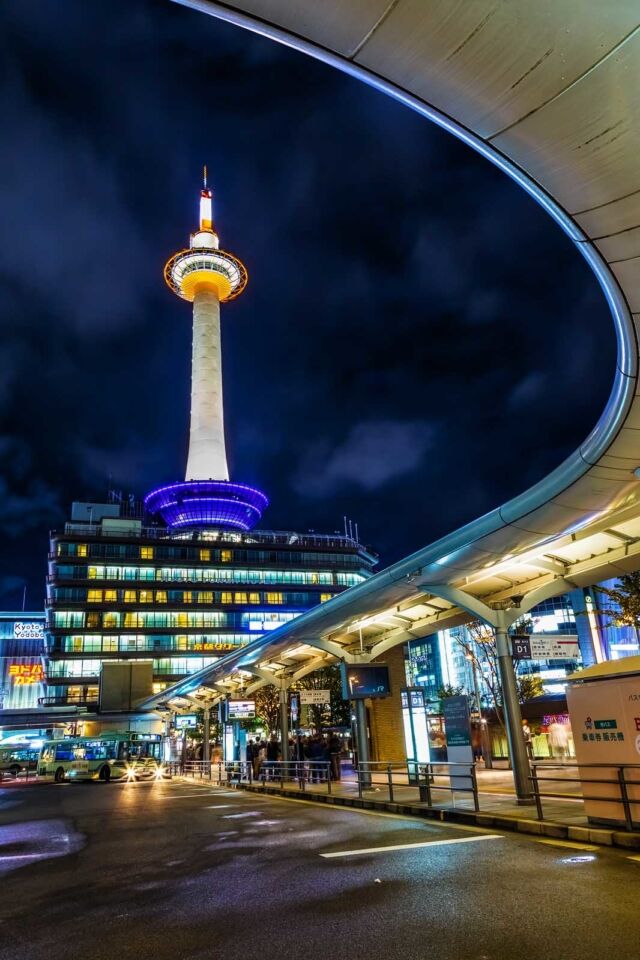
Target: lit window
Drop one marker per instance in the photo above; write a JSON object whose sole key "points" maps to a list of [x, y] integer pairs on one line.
{"points": [[205, 596], [182, 620], [111, 620], [110, 596], [273, 597], [130, 596], [181, 642], [92, 573], [94, 596], [93, 620], [225, 556], [240, 598], [161, 596], [146, 553], [187, 596], [146, 596], [315, 578], [76, 644], [205, 554], [82, 549], [254, 598], [226, 597], [325, 596], [132, 620]]}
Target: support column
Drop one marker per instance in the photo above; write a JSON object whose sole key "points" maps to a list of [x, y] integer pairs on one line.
{"points": [[206, 740], [513, 717], [362, 739], [284, 721]]}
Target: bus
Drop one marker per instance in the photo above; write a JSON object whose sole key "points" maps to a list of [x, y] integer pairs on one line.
{"points": [[105, 757], [16, 758]]}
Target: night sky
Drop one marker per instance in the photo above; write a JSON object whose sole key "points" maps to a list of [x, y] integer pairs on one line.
{"points": [[417, 342]]}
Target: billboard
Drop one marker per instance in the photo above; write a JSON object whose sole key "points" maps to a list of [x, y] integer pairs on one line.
{"points": [[361, 681], [241, 709]]}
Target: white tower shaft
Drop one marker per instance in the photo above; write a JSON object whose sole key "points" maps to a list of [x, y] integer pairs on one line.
{"points": [[207, 458]]}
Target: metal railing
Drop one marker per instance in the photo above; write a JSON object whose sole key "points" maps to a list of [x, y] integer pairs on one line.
{"points": [[215, 771], [619, 782], [374, 775], [281, 538], [302, 772]]}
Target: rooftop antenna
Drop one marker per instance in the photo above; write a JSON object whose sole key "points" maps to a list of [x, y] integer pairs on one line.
{"points": [[357, 534]]}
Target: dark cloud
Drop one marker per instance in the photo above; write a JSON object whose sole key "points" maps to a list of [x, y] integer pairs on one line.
{"points": [[397, 281], [371, 455]]}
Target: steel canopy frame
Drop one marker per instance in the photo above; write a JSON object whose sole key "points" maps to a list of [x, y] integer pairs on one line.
{"points": [[512, 527]]}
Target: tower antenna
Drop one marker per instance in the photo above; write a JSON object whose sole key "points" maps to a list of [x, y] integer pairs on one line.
{"points": [[204, 176]]}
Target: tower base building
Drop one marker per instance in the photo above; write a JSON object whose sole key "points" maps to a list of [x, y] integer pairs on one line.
{"points": [[121, 589]]}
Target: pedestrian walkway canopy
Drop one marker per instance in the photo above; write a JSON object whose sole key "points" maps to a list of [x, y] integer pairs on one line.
{"points": [[550, 93]]}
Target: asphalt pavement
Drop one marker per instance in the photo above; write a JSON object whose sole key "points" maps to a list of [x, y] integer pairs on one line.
{"points": [[174, 870]]}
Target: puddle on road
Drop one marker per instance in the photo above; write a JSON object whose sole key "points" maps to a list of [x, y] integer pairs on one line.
{"points": [[22, 844]]}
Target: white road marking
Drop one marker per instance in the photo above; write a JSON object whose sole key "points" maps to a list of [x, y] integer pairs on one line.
{"points": [[410, 846], [219, 806], [185, 796], [240, 816]]}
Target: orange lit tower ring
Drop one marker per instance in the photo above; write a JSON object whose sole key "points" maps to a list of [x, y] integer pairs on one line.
{"points": [[203, 268]]}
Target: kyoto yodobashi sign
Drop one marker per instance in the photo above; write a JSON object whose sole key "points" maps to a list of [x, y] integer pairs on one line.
{"points": [[315, 697], [28, 630], [457, 728]]}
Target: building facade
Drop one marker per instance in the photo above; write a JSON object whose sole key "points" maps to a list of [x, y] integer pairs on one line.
{"points": [[22, 659], [119, 589]]}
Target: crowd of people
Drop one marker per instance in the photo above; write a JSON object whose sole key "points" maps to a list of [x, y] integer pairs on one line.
{"points": [[315, 750]]}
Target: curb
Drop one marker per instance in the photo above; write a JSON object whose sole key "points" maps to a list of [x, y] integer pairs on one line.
{"points": [[545, 828]]}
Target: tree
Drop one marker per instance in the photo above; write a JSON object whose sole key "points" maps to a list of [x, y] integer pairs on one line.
{"points": [[446, 691], [338, 713], [529, 686], [626, 597], [268, 706]]}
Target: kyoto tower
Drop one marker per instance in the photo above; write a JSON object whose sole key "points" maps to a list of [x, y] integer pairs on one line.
{"points": [[206, 276]]}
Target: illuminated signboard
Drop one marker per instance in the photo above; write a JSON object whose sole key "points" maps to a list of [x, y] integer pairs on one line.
{"points": [[25, 674], [187, 720], [213, 646], [241, 709], [28, 630], [361, 681]]}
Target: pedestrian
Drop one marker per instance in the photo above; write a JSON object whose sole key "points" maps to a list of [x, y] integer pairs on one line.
{"points": [[528, 738]]}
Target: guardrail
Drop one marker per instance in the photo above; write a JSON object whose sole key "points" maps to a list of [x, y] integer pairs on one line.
{"points": [[620, 783], [216, 771], [462, 778], [302, 772]]}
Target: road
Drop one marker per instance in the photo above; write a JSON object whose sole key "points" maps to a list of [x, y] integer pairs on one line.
{"points": [[173, 870]]}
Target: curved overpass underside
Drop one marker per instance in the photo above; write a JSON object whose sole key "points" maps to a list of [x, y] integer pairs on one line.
{"points": [[550, 92]]}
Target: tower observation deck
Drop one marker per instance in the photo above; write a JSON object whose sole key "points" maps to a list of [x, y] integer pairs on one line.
{"points": [[206, 276]]}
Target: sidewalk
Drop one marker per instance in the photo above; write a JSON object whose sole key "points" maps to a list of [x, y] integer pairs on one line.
{"points": [[563, 819]]}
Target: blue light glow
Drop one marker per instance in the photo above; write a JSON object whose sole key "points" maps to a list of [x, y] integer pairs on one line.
{"points": [[207, 503]]}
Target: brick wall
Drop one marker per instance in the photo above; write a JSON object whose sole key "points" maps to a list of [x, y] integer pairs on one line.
{"points": [[385, 716]]}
